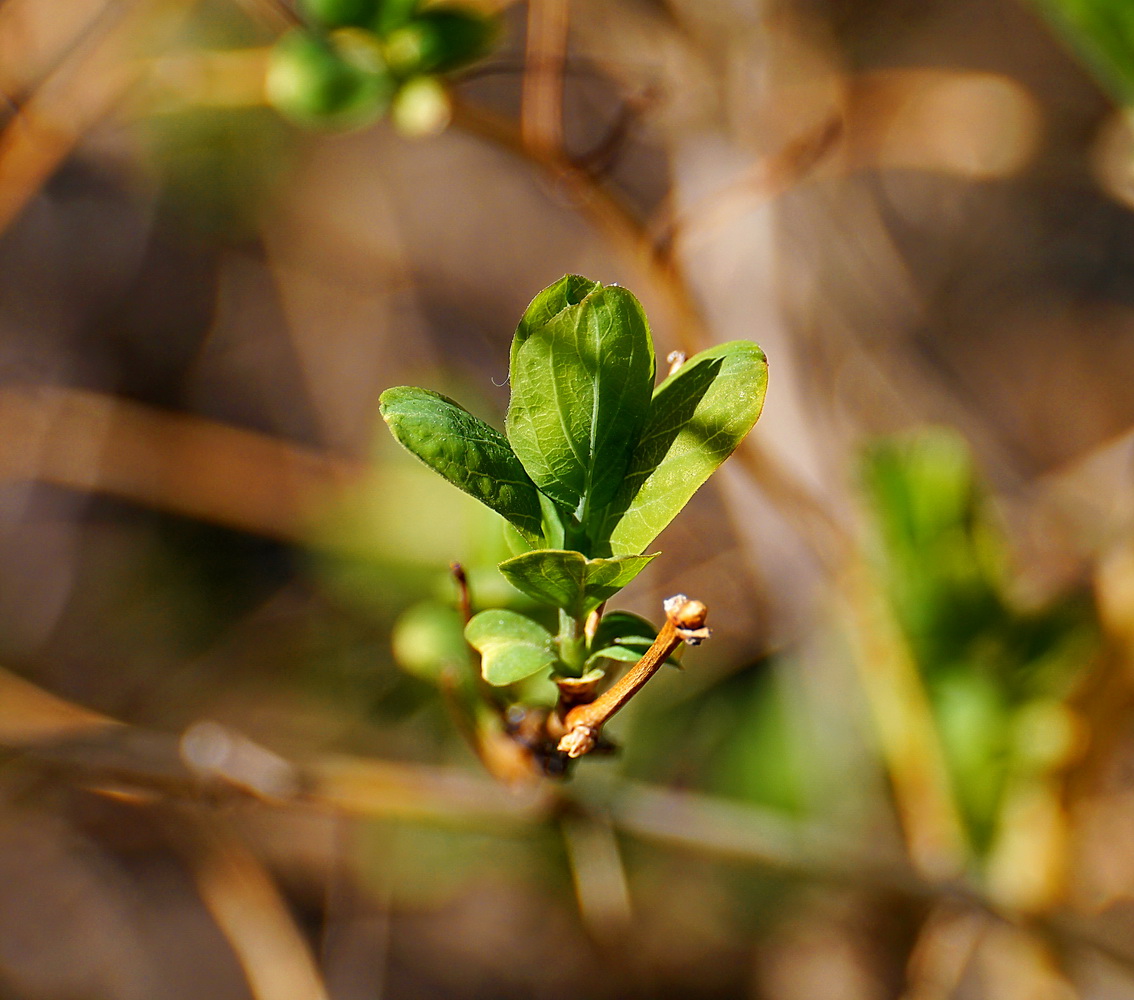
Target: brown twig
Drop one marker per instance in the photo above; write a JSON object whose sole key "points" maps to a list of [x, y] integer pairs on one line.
{"points": [[684, 622], [464, 602], [176, 462], [541, 116]]}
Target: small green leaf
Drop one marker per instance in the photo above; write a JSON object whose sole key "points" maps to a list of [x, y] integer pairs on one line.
{"points": [[517, 544], [625, 629], [621, 653], [568, 291], [570, 580], [511, 646], [625, 637], [697, 418], [582, 370], [466, 451], [554, 522], [606, 577]]}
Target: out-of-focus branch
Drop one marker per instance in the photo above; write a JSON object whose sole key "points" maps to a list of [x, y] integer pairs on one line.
{"points": [[86, 87], [541, 122], [907, 733], [211, 761], [175, 462], [37, 39], [30, 715], [249, 910], [767, 179]]}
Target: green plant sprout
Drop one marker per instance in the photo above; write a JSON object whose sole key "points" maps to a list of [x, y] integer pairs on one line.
{"points": [[594, 463]]}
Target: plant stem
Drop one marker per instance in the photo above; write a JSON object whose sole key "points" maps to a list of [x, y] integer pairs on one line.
{"points": [[684, 622], [572, 642]]}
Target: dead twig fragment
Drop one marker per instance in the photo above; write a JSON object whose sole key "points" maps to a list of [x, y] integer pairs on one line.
{"points": [[684, 622], [464, 601]]}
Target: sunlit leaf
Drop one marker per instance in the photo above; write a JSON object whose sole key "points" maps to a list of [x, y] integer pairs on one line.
{"points": [[582, 370], [569, 580], [697, 418], [511, 646], [465, 450]]}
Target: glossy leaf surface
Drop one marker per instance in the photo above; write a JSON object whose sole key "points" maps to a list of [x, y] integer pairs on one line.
{"points": [[465, 450], [582, 370], [697, 418], [569, 580]]}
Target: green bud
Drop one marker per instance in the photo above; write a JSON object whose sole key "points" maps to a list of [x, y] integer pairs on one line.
{"points": [[421, 107], [438, 40], [338, 82]]}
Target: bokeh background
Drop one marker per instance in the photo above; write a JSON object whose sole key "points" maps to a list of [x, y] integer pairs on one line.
{"points": [[904, 764]]}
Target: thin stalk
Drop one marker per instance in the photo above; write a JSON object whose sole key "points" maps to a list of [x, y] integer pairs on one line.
{"points": [[684, 622], [572, 642]]}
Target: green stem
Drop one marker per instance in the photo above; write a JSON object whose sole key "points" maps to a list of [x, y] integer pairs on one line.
{"points": [[572, 643]]}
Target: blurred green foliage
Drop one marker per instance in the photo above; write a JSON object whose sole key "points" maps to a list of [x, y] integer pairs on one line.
{"points": [[353, 60], [1102, 31], [594, 463], [218, 168], [991, 667]]}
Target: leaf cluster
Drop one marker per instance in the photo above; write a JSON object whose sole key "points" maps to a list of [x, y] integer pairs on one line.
{"points": [[997, 673], [595, 461]]}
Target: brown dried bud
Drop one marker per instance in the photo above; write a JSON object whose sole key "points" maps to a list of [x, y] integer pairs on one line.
{"points": [[579, 741], [689, 615]]}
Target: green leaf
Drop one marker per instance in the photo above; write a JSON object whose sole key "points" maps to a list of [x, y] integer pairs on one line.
{"points": [[517, 544], [697, 418], [625, 637], [621, 653], [582, 370], [570, 580], [511, 646], [625, 629], [466, 451], [568, 291]]}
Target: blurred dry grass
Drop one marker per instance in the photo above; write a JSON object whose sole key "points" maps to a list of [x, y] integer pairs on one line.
{"points": [[214, 779]]}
